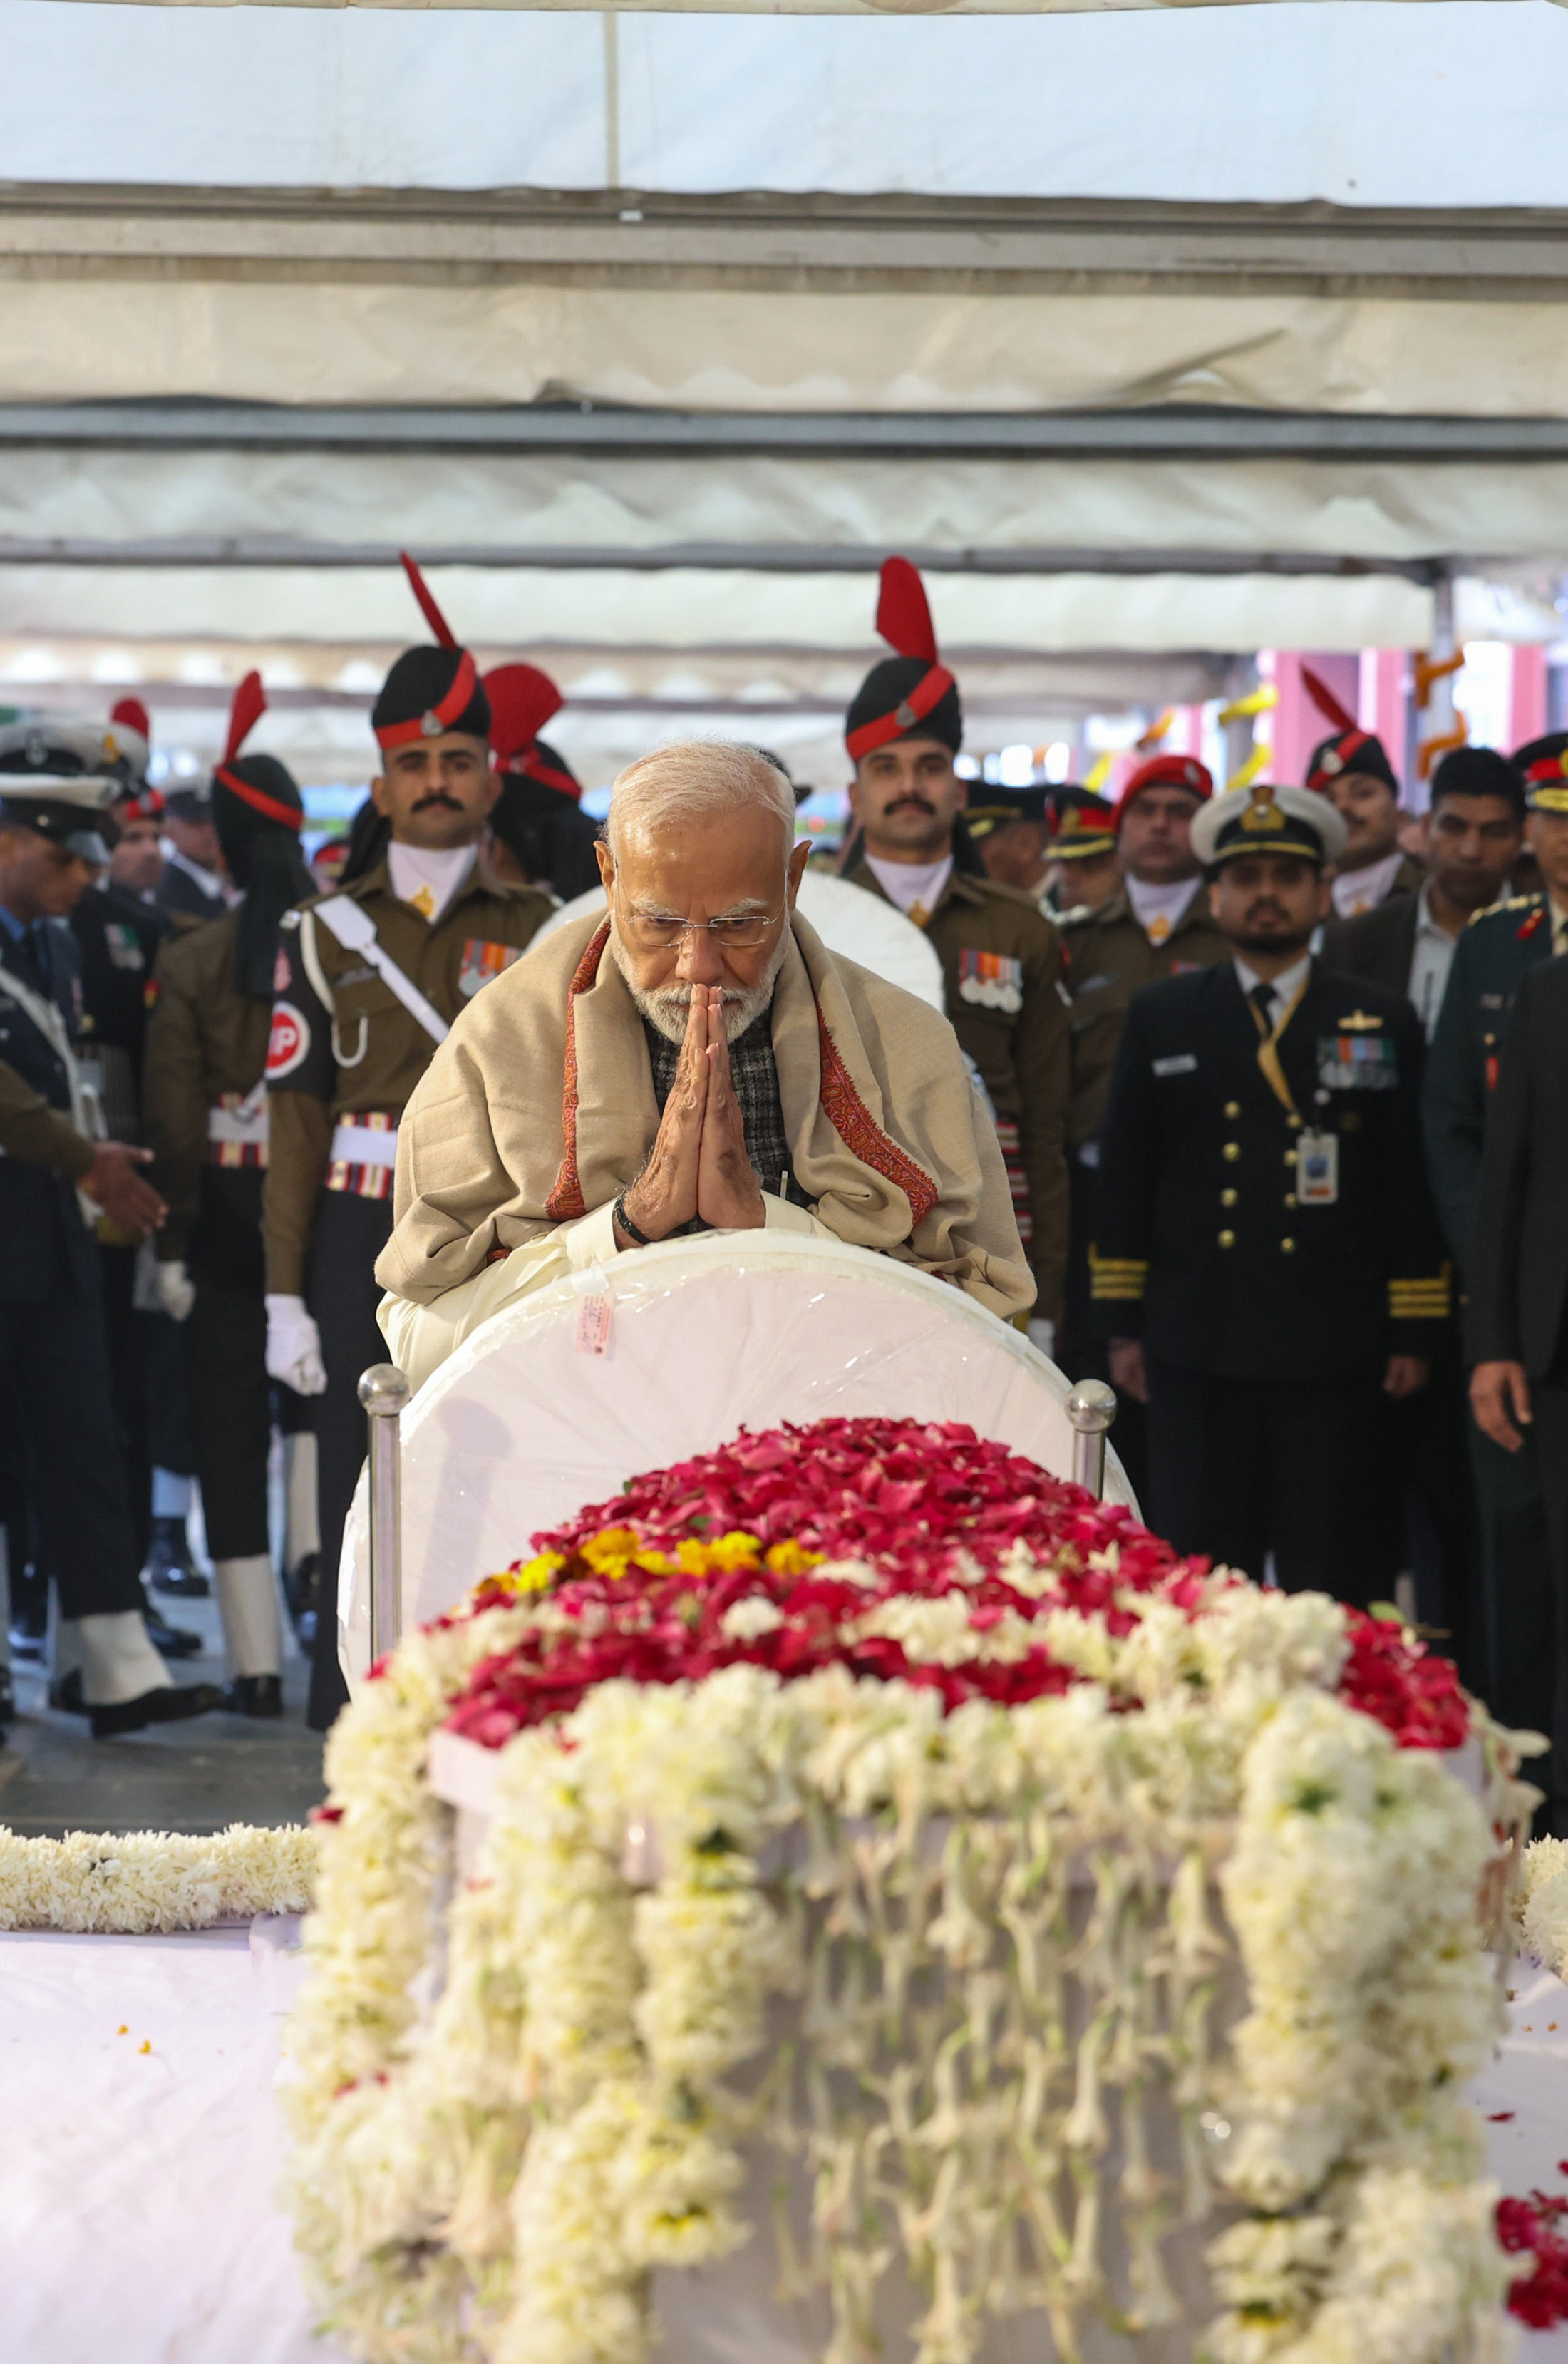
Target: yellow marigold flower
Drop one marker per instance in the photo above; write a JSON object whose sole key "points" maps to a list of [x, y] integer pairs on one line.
{"points": [[612, 1550], [790, 1558], [720, 1555], [537, 1577]]}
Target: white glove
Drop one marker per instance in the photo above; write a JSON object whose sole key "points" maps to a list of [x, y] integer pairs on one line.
{"points": [[293, 1346], [176, 1290], [1043, 1333]]}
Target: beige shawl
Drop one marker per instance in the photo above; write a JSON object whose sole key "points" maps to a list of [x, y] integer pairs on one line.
{"points": [[539, 1108]]}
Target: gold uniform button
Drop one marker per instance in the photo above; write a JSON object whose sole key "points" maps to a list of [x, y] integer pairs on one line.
{"points": [[1232, 1109], [1293, 1121], [1287, 1248], [1228, 1197], [1231, 1151], [1227, 1239], [1290, 1197], [1290, 1158]]}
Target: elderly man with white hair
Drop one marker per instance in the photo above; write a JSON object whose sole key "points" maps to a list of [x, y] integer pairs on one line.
{"points": [[691, 1059]]}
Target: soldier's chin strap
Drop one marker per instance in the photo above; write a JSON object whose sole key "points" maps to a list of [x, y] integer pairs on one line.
{"points": [[1268, 1046]]}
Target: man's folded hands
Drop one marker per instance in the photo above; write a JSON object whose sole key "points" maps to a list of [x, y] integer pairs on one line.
{"points": [[698, 1165]]}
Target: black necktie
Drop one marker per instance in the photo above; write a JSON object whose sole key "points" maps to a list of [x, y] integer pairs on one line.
{"points": [[1262, 998]]}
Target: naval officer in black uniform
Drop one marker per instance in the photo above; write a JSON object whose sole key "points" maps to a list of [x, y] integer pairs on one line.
{"points": [[1267, 1250], [54, 1350]]}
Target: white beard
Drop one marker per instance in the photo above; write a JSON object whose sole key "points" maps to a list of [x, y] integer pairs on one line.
{"points": [[667, 1006]]}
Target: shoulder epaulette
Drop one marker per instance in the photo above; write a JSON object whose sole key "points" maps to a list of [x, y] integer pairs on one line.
{"points": [[1509, 903]]}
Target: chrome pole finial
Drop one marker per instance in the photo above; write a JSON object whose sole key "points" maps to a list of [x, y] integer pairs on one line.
{"points": [[1090, 1409]]}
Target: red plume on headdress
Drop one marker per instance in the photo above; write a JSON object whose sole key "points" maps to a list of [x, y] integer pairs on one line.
{"points": [[131, 715], [522, 701], [432, 614], [1324, 699], [902, 612], [249, 705]]}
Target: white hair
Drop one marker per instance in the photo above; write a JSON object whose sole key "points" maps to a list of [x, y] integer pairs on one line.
{"points": [[691, 777]]}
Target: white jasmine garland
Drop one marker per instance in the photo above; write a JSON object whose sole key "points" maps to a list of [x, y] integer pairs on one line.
{"points": [[132, 1884], [491, 2171]]}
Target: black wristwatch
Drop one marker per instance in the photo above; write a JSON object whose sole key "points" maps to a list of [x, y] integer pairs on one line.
{"points": [[619, 1215]]}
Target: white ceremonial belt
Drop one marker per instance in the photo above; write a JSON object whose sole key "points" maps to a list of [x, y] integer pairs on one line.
{"points": [[364, 1144], [244, 1126]]}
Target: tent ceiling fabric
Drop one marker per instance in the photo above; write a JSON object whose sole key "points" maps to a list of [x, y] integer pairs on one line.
{"points": [[571, 510], [1364, 103], [693, 608], [85, 336]]}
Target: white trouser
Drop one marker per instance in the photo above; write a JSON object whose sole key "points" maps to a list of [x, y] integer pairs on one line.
{"points": [[302, 1522], [118, 1659], [248, 1600]]}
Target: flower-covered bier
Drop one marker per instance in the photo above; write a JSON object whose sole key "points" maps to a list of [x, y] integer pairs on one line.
{"points": [[898, 1550]]}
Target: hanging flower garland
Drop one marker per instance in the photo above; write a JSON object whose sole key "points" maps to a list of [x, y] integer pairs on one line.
{"points": [[882, 1725]]}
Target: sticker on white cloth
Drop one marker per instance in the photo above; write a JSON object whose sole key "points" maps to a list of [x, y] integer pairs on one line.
{"points": [[594, 1324]]}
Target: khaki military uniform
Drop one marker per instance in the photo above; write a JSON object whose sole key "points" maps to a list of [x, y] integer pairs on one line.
{"points": [[204, 1100], [1001, 968], [345, 1054], [343, 1060], [1109, 957]]}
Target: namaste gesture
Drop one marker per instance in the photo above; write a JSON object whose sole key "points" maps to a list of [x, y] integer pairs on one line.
{"points": [[699, 1164]]}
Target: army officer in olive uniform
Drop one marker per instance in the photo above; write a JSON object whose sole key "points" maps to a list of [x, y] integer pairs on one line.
{"points": [[206, 1119], [369, 981], [1267, 1248], [1001, 959]]}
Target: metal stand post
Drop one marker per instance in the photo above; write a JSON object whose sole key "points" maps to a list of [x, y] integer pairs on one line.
{"points": [[384, 1391], [1091, 1408]]}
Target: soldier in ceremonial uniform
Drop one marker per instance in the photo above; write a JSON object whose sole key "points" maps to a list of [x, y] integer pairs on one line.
{"points": [[1267, 1248], [1491, 959], [540, 835], [192, 885], [369, 981], [1350, 767], [54, 1350], [119, 932], [1009, 828], [1155, 924], [206, 1117], [1085, 872], [1001, 960]]}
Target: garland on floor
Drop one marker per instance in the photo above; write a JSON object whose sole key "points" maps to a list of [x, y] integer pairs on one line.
{"points": [[1541, 1904], [1011, 1751], [145, 1881]]}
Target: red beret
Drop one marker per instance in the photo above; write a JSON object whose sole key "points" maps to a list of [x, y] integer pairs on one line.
{"points": [[1167, 771]]}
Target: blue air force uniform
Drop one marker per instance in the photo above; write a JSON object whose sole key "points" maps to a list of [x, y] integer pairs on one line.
{"points": [[1265, 1228]]}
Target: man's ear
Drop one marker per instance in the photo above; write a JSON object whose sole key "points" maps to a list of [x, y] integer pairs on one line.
{"points": [[606, 860], [1213, 886], [492, 789], [798, 862], [1325, 890], [381, 794]]}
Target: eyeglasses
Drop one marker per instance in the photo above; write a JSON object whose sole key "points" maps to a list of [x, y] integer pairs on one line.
{"points": [[660, 932]]}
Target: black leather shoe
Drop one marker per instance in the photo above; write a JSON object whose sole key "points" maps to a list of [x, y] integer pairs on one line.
{"points": [[169, 1641], [257, 1695], [169, 1566], [65, 1696], [172, 1704], [301, 1586]]}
